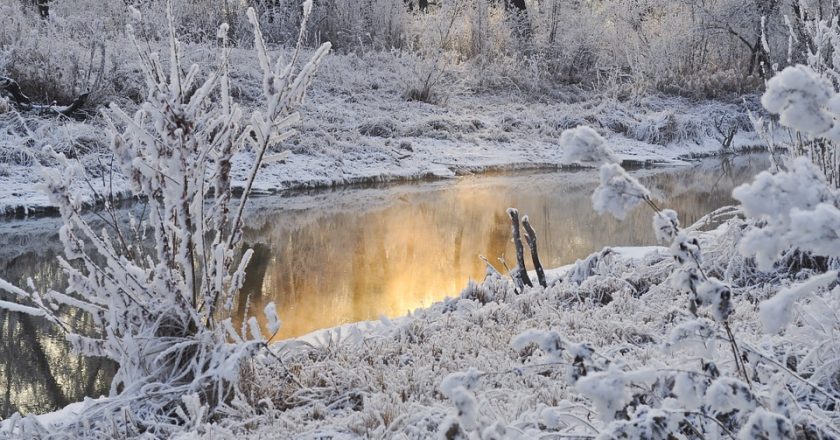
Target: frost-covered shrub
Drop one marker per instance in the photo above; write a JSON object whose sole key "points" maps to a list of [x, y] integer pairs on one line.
{"points": [[74, 54], [30, 141], [666, 127], [384, 128], [796, 210], [618, 192], [165, 315], [585, 146], [802, 99]]}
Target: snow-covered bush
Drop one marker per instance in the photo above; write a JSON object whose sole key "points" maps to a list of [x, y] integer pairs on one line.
{"points": [[796, 209], [165, 315]]}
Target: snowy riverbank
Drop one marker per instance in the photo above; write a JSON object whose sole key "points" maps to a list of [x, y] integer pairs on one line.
{"points": [[358, 127]]}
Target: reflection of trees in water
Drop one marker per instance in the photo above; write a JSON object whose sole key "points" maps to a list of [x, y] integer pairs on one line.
{"points": [[37, 368]]}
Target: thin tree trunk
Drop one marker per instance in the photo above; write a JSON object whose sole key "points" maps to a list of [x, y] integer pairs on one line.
{"points": [[517, 242], [531, 239]]}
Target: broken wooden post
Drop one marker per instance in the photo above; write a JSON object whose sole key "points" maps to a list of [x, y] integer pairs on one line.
{"points": [[44, 8], [13, 88], [24, 103], [531, 239], [517, 242]]}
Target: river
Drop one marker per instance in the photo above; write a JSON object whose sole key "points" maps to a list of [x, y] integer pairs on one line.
{"points": [[328, 257]]}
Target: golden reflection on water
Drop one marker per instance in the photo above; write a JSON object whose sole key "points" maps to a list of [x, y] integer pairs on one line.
{"points": [[333, 257], [354, 266]]}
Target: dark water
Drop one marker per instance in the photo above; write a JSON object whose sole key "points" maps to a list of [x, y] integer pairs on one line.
{"points": [[337, 256]]}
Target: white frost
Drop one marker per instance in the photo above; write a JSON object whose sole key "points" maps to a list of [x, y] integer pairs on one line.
{"points": [[273, 324], [666, 225], [776, 312], [585, 146], [618, 193]]}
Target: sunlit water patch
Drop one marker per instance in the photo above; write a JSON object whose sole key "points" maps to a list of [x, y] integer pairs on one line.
{"points": [[330, 257]]}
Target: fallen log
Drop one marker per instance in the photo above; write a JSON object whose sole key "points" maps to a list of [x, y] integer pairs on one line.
{"points": [[24, 103]]}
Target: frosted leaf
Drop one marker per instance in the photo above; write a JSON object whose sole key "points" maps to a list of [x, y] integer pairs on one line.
{"points": [[765, 244], [583, 350], [727, 394], [607, 390], [468, 379], [688, 390], [585, 146], [685, 279], [686, 249], [273, 324], [550, 342], [776, 312], [690, 334], [773, 199], [135, 14], [450, 429], [550, 418], [254, 328], [774, 195], [618, 192], [767, 425], [666, 224], [799, 96], [307, 8], [816, 231], [465, 403], [717, 296], [497, 431], [645, 423], [223, 31]]}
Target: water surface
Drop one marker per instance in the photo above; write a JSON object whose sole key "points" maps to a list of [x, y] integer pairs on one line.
{"points": [[330, 257]]}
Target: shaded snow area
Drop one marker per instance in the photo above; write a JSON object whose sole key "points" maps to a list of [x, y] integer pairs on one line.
{"points": [[358, 127]]}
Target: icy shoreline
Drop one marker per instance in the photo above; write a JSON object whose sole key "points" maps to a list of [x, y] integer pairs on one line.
{"points": [[20, 193]]}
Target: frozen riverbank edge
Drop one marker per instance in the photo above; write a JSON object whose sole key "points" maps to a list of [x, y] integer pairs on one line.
{"points": [[19, 196], [385, 139]]}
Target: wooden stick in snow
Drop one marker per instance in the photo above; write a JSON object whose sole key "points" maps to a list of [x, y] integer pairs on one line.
{"points": [[517, 242], [531, 239]]}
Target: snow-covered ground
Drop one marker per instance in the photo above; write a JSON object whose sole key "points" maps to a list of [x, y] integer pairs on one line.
{"points": [[358, 127], [689, 341]]}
